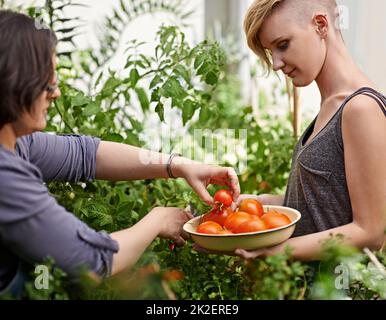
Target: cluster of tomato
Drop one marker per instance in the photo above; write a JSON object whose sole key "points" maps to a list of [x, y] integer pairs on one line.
{"points": [[248, 217]]}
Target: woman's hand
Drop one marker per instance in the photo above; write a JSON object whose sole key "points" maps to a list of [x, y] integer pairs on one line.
{"points": [[200, 175], [171, 221]]}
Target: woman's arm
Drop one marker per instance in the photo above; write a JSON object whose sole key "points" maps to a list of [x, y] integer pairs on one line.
{"points": [[309, 247], [117, 161], [163, 222]]}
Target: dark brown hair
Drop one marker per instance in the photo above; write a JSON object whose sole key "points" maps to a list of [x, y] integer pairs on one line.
{"points": [[26, 67]]}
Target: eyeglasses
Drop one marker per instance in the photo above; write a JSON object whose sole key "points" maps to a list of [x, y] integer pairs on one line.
{"points": [[51, 88]]}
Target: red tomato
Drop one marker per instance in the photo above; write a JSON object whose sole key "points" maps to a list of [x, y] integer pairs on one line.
{"points": [[252, 206], [274, 219], [235, 219], [223, 196], [209, 227], [253, 225], [217, 215], [173, 275]]}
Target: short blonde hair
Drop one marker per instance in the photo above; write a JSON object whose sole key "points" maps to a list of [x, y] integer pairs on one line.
{"points": [[254, 18], [261, 9]]}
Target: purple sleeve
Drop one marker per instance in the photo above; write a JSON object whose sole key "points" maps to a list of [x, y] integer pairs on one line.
{"points": [[34, 226], [63, 158]]}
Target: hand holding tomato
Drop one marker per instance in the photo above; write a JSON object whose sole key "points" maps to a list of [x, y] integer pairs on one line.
{"points": [[223, 197], [200, 175]]}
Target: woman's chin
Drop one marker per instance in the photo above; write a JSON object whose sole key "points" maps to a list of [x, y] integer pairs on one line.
{"points": [[41, 125], [300, 83]]}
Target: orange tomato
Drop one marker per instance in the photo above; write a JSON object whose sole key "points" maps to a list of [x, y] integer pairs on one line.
{"points": [[217, 215], [209, 227], [173, 275], [235, 219], [253, 225], [252, 206], [274, 219]]}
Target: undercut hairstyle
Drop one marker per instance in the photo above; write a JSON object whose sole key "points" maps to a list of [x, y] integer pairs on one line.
{"points": [[26, 66], [301, 10]]}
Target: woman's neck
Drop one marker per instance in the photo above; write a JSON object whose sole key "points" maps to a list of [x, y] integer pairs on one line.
{"points": [[340, 75], [8, 137]]}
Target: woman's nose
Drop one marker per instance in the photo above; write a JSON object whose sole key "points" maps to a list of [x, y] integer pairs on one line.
{"points": [[56, 94], [277, 63]]}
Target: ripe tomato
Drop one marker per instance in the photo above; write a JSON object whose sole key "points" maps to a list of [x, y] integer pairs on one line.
{"points": [[173, 275], [209, 227], [235, 219], [255, 224], [223, 196], [252, 206], [274, 219], [218, 215]]}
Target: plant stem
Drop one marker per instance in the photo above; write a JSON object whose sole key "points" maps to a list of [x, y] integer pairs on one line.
{"points": [[373, 258]]}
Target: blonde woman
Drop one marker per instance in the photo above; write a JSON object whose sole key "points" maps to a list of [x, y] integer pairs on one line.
{"points": [[338, 175]]}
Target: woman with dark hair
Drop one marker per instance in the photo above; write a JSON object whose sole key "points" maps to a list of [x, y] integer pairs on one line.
{"points": [[33, 226]]}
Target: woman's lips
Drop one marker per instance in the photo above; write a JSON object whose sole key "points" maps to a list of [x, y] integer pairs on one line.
{"points": [[291, 74]]}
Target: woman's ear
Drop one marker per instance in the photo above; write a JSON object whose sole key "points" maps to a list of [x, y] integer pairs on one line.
{"points": [[321, 23]]}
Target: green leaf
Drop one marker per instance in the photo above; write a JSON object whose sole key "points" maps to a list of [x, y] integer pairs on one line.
{"points": [[181, 71], [160, 111], [132, 139], [113, 137], [211, 78], [79, 100], [199, 61], [142, 97], [204, 114], [204, 69], [98, 80], [110, 86], [156, 80], [91, 109], [173, 89], [134, 77], [188, 110], [136, 124], [155, 95]]}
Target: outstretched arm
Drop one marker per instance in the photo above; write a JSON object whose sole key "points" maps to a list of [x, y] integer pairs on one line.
{"points": [[309, 247], [163, 222], [117, 161]]}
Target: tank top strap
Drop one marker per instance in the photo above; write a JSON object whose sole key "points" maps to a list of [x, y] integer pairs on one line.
{"points": [[370, 92]]}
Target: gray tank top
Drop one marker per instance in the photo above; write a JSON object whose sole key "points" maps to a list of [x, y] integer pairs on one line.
{"points": [[317, 185]]}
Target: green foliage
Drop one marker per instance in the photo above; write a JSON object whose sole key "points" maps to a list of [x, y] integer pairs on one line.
{"points": [[195, 81]]}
